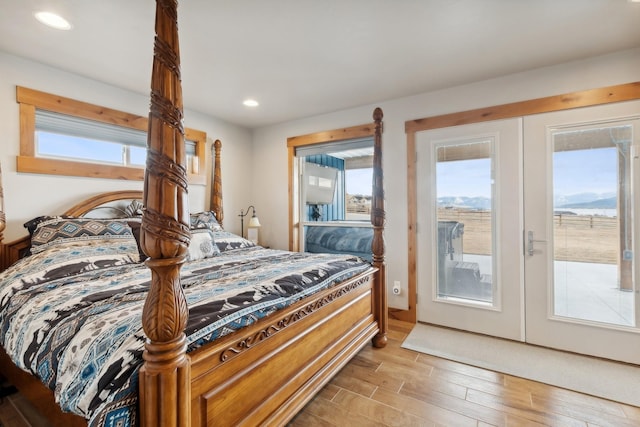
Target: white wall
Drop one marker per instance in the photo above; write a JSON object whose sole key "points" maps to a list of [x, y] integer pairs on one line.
{"points": [[30, 195], [270, 181]]}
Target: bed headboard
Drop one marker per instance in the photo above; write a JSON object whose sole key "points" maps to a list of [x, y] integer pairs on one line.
{"points": [[105, 201], [114, 204]]}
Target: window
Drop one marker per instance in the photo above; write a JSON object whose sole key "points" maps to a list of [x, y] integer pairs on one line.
{"points": [[65, 137], [338, 180], [318, 143]]}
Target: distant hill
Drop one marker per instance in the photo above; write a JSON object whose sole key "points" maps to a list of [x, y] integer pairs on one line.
{"points": [[562, 200], [573, 201], [465, 202], [609, 203]]}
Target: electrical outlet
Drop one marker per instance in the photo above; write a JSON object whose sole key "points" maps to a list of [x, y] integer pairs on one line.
{"points": [[397, 290]]}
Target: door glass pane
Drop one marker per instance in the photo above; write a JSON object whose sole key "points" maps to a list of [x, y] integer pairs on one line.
{"points": [[465, 245], [593, 226]]}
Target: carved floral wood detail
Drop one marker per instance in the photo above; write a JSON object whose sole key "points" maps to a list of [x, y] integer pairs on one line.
{"points": [[282, 323]]}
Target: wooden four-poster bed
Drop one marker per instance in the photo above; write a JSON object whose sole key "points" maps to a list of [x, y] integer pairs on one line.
{"points": [[262, 373]]}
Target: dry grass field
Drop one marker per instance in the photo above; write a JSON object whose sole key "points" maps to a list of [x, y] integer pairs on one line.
{"points": [[576, 237]]}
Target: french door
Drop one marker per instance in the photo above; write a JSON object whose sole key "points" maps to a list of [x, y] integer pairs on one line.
{"points": [[469, 229], [581, 208], [527, 229]]}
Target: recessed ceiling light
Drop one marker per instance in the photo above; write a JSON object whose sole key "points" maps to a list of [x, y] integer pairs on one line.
{"points": [[53, 20], [250, 103]]}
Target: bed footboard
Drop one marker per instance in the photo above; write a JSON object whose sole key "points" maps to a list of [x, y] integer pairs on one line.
{"points": [[294, 354]]}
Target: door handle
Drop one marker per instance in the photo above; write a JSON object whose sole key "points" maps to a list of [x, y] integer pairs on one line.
{"points": [[531, 241]]}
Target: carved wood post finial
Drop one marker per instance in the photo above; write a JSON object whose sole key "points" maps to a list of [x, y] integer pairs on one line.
{"points": [[377, 246], [164, 379]]}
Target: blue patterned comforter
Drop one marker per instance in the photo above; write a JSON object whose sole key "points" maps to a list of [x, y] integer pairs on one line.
{"points": [[339, 240], [72, 315]]}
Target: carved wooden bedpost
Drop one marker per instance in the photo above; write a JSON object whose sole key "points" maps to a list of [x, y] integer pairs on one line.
{"points": [[377, 246], [216, 188], [164, 378]]}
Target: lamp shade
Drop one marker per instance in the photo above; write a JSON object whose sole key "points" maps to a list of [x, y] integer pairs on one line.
{"points": [[254, 222]]}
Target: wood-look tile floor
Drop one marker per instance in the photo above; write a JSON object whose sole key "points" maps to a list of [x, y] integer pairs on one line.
{"points": [[399, 387]]}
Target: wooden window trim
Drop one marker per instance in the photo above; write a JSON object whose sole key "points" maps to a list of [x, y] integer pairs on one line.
{"points": [[30, 100]]}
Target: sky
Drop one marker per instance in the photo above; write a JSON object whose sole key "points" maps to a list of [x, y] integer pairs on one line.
{"points": [[581, 171], [359, 181], [469, 178], [79, 148], [574, 172]]}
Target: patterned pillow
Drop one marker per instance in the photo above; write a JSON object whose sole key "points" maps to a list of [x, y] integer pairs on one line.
{"points": [[33, 224], [226, 241], [202, 245], [205, 219], [58, 231]]}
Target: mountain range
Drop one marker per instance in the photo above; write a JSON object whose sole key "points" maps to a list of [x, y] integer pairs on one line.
{"points": [[610, 203], [575, 201], [480, 203], [587, 201]]}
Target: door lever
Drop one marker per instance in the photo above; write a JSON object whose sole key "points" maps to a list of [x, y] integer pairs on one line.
{"points": [[531, 241]]}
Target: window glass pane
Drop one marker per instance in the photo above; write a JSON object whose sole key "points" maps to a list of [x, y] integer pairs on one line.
{"points": [[137, 156], [359, 181], [76, 148], [593, 224], [189, 147], [351, 200], [464, 199], [358, 184]]}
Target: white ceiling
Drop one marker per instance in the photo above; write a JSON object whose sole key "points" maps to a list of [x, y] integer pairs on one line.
{"points": [[301, 58]]}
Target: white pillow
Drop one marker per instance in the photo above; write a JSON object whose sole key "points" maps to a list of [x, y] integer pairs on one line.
{"points": [[202, 245]]}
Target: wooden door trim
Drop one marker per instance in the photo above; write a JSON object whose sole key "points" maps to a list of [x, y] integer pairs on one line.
{"points": [[567, 101]]}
